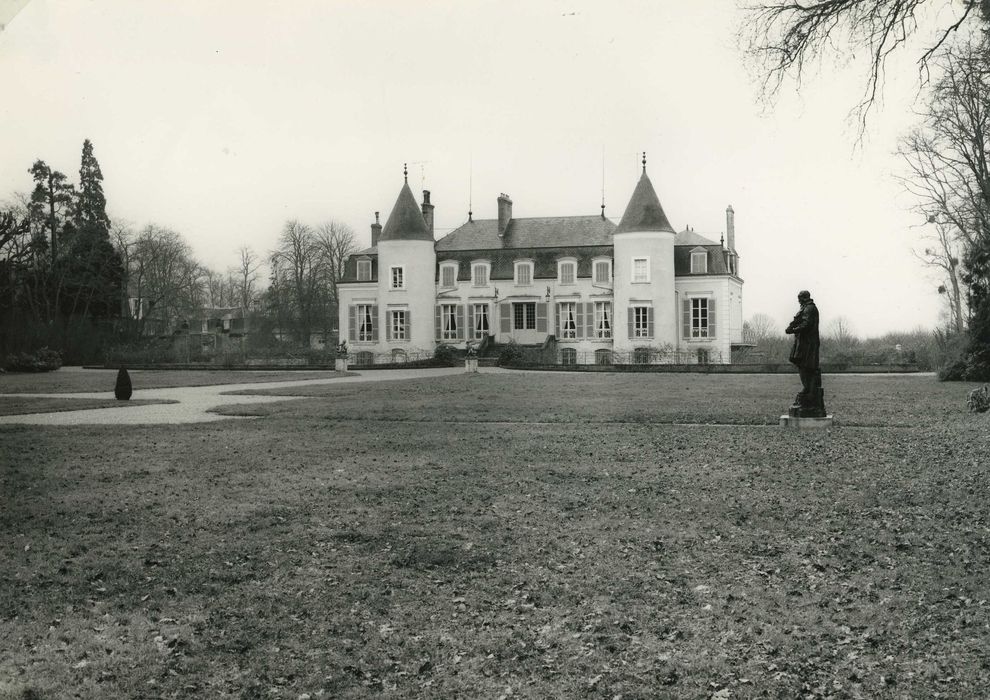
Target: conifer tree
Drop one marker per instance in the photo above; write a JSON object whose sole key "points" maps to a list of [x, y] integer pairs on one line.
{"points": [[50, 202], [91, 207]]}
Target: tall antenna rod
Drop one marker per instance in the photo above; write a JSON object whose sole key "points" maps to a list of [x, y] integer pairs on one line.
{"points": [[603, 181], [470, 187]]}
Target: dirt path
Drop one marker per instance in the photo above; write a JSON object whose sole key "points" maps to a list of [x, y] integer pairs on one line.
{"points": [[194, 403]]}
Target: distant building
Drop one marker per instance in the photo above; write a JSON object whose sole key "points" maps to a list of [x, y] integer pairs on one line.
{"points": [[581, 286]]}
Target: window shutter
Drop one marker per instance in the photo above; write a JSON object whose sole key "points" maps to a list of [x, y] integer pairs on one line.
{"points": [[408, 324], [460, 321], [374, 324], [711, 319], [505, 317], [541, 317], [631, 316], [579, 319], [438, 325], [556, 322], [352, 323], [589, 318], [470, 322], [388, 325], [686, 322], [649, 321]]}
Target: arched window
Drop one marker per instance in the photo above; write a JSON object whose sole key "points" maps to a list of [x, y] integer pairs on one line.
{"points": [[568, 356], [603, 357], [641, 356], [364, 358]]}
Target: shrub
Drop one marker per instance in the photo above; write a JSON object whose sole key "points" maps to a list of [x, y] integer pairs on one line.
{"points": [[42, 360], [512, 354], [445, 355], [979, 399], [122, 389]]}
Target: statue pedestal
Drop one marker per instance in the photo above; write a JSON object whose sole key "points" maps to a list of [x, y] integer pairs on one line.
{"points": [[471, 364], [340, 364], [806, 422]]}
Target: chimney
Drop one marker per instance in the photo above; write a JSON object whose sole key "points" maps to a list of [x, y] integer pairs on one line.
{"points": [[730, 228], [376, 231], [428, 211], [504, 213]]}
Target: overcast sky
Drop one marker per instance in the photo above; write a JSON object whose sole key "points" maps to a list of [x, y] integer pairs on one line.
{"points": [[222, 120]]}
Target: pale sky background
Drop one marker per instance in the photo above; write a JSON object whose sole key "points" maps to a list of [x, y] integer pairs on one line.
{"points": [[222, 120]]}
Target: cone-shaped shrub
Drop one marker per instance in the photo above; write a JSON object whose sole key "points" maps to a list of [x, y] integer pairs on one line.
{"points": [[122, 390]]}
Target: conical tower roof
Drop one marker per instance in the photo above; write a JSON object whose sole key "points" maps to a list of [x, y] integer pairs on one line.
{"points": [[644, 213], [406, 222]]}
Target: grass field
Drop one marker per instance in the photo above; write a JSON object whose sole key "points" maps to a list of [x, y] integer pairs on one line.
{"points": [[13, 404], [70, 379], [518, 535]]}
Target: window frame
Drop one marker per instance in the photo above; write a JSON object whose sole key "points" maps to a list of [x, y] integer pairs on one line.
{"points": [[699, 321], [561, 264], [568, 356], [364, 262], [402, 276], [603, 316], [366, 323], [696, 256], [608, 274], [520, 264], [454, 268], [633, 277], [641, 314], [476, 332], [475, 266], [567, 333], [448, 322], [394, 328], [527, 318]]}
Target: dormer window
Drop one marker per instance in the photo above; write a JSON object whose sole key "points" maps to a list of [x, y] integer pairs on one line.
{"points": [[479, 274], [364, 270], [524, 273], [448, 275], [566, 271], [699, 262], [603, 271]]}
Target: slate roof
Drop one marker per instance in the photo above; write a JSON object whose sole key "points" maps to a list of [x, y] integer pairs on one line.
{"points": [[406, 222], [688, 237], [544, 260], [682, 261], [536, 232], [644, 213]]}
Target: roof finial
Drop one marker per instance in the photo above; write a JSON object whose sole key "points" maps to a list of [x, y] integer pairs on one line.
{"points": [[644, 161], [405, 172]]}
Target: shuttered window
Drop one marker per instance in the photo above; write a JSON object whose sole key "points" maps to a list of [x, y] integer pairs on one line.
{"points": [[479, 275], [398, 326], [524, 316], [567, 316], [448, 275], [367, 330], [566, 272], [449, 322], [364, 270], [603, 272], [479, 320], [524, 273], [699, 318], [699, 263], [603, 319]]}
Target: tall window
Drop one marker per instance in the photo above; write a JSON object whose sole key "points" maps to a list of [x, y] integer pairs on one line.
{"points": [[448, 275], [366, 322], [603, 272], [699, 318], [641, 270], [603, 319], [568, 320], [524, 316], [524, 273], [641, 322], [566, 272], [364, 270], [448, 322], [481, 325], [399, 330], [398, 277], [699, 262], [479, 275]]}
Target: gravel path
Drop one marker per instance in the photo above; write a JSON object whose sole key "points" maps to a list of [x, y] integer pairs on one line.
{"points": [[196, 402]]}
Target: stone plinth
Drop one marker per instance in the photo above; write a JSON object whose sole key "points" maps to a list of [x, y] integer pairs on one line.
{"points": [[340, 364], [806, 423], [471, 364]]}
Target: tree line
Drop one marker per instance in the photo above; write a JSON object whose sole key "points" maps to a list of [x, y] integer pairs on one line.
{"points": [[946, 156], [76, 282]]}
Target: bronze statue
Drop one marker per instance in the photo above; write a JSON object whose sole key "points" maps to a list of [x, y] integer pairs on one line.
{"points": [[810, 402]]}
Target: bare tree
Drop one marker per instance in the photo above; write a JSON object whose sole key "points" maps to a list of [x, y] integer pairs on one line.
{"points": [[761, 327], [943, 256], [785, 36], [839, 331], [246, 276], [166, 280], [299, 260], [336, 243]]}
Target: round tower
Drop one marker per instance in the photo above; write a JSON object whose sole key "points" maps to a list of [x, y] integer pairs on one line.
{"points": [[406, 278], [645, 303]]}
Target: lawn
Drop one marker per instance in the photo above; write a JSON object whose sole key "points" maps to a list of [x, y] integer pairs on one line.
{"points": [[15, 405], [73, 379], [520, 535]]}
